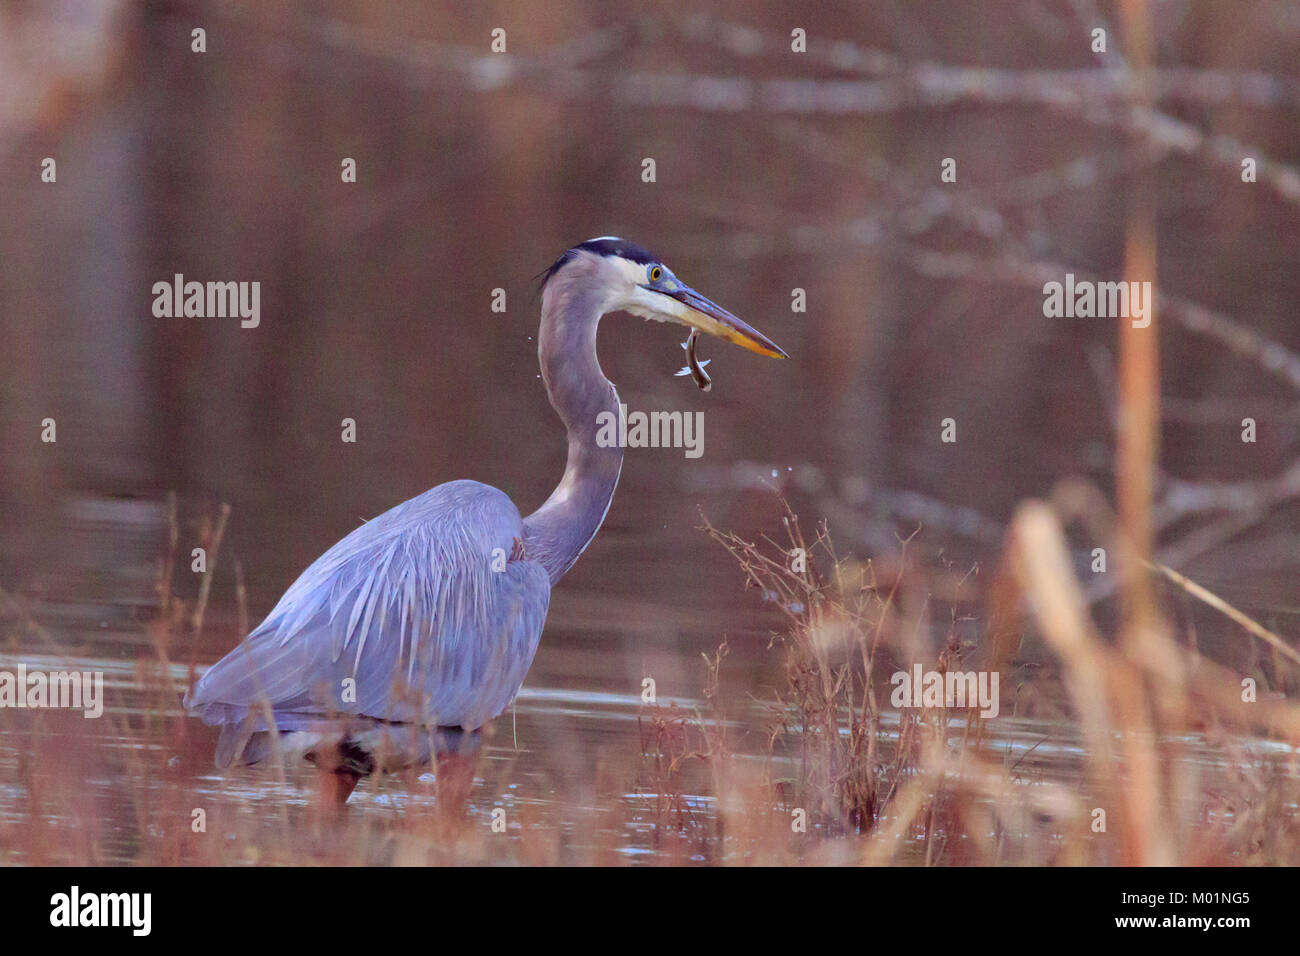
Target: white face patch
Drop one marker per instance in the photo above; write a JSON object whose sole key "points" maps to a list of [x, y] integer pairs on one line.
{"points": [[649, 304], [633, 272], [625, 281], [653, 305]]}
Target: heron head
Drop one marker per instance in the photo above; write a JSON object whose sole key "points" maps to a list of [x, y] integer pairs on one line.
{"points": [[637, 282]]}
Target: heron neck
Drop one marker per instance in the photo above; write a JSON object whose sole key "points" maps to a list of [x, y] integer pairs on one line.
{"points": [[558, 532]]}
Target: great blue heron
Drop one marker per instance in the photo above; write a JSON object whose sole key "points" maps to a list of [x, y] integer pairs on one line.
{"points": [[409, 634]]}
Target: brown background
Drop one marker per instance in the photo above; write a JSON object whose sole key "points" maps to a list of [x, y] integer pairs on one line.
{"points": [[775, 170]]}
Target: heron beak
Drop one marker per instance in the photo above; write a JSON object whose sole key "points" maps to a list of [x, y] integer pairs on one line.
{"points": [[700, 313]]}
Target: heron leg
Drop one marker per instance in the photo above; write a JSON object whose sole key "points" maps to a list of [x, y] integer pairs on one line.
{"points": [[336, 786], [455, 779], [336, 775]]}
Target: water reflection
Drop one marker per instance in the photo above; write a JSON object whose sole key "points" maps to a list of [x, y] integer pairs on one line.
{"points": [[557, 764], [376, 307]]}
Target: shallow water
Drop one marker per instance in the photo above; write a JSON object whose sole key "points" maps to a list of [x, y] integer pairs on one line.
{"points": [[376, 309], [565, 766]]}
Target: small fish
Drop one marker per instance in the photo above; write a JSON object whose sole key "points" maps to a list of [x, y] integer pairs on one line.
{"points": [[695, 368]]}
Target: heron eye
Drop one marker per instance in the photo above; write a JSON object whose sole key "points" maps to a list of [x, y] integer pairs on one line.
{"points": [[655, 273]]}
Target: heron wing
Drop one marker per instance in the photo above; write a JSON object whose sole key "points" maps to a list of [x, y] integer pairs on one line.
{"points": [[423, 614]]}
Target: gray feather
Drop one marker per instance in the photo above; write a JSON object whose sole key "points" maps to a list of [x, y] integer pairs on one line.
{"points": [[408, 606]]}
